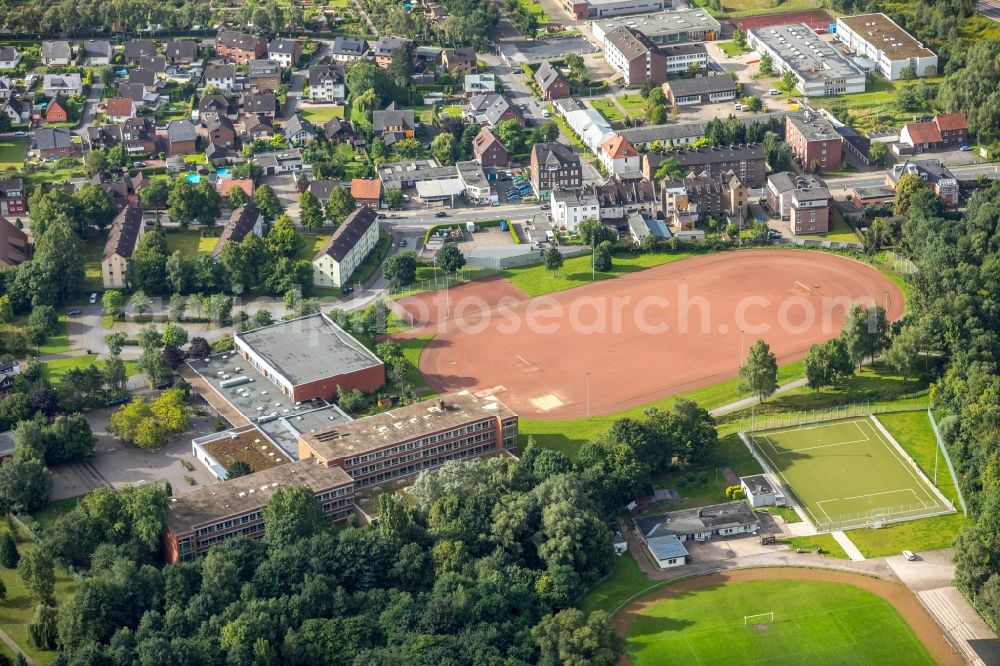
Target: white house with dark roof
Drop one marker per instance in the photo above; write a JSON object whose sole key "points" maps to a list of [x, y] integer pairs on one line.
{"points": [[9, 57], [285, 52], [62, 84], [353, 240], [56, 52], [348, 49], [97, 52], [222, 77], [326, 83]]}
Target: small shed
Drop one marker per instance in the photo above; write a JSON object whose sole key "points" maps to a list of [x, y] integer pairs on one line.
{"points": [[758, 490]]}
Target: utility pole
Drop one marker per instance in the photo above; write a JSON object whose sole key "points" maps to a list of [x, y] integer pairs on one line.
{"points": [[588, 397]]}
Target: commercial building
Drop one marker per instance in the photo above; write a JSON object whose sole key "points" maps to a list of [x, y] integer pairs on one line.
{"points": [[347, 248], [310, 357], [475, 186], [818, 68], [554, 165], [701, 90], [702, 523], [936, 176], [663, 545], [634, 57], [590, 9], [668, 27], [416, 437], [403, 175], [745, 160], [877, 37], [802, 200], [201, 518], [813, 139], [123, 237]]}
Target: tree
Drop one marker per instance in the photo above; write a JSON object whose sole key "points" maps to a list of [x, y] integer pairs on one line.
{"points": [[156, 194], [759, 375], [594, 232], [401, 268], [740, 39], [408, 149], [878, 152], [548, 131], [753, 104], [573, 639], [94, 206], [174, 335], [906, 187], [61, 247], [113, 301], [511, 134], [291, 514], [37, 573], [140, 302], [6, 309], [283, 239], [670, 168], [601, 257], [267, 203], [449, 258], [208, 202], [393, 198], [42, 627], [183, 202], [865, 333], [310, 211], [147, 269], [25, 483], [339, 205], [9, 555], [237, 197], [553, 259], [766, 64], [788, 79], [199, 348], [907, 353], [826, 363], [443, 148]]}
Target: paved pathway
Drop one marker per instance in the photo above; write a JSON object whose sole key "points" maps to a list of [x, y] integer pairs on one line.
{"points": [[747, 402], [9, 642], [848, 545]]}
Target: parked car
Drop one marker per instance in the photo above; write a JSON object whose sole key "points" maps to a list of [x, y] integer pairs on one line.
{"points": [[73, 313], [20, 133], [909, 555], [402, 242], [774, 233], [93, 298], [964, 147], [773, 92], [346, 290], [138, 164], [440, 213]]}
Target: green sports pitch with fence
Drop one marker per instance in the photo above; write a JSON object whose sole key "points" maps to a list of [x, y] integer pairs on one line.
{"points": [[848, 473]]}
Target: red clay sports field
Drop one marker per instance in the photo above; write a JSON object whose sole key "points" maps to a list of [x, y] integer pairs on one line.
{"points": [[639, 337]]}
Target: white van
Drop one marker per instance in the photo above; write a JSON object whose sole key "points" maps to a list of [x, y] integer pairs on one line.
{"points": [[93, 298]]}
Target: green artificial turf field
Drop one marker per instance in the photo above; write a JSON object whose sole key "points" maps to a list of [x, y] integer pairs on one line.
{"points": [[815, 622], [847, 473]]}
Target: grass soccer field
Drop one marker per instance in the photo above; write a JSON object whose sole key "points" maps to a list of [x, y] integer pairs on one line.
{"points": [[815, 622], [847, 473]]}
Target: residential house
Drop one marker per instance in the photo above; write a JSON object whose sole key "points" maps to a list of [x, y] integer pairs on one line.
{"points": [[136, 49], [700, 90], [299, 132], [6, 87], [702, 197], [876, 196], [212, 107], [147, 78], [123, 238], [619, 198], [138, 135], [338, 131], [459, 61], [366, 192], [618, 156], [258, 127], [571, 207], [217, 155], [137, 93], [285, 52], [264, 76], [181, 53], [225, 186], [264, 105], [813, 140], [481, 83], [393, 124], [14, 250], [555, 165], [57, 110], [181, 137], [55, 142], [222, 77], [9, 57], [13, 198], [803, 200], [493, 109], [239, 47], [120, 109], [326, 83], [634, 57], [8, 371], [683, 58], [348, 49], [353, 240], [937, 177], [746, 161], [321, 189], [97, 52], [551, 83], [154, 63], [62, 84], [386, 47], [488, 150], [243, 221], [950, 129], [424, 56], [222, 133], [56, 53], [281, 161], [17, 111]]}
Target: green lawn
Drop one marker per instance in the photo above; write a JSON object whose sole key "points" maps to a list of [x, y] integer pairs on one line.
{"points": [[536, 280], [50, 512], [845, 473], [825, 542], [874, 108], [743, 8], [840, 230], [319, 115], [914, 433], [373, 262], [633, 104], [607, 108], [54, 370], [412, 349], [92, 250], [58, 342], [312, 244], [730, 49], [814, 623], [627, 579], [190, 242], [534, 8], [916, 535], [16, 610], [12, 152]]}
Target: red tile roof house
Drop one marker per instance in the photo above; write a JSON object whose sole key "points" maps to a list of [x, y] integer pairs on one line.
{"points": [[954, 128], [488, 150], [120, 109], [239, 47], [551, 83], [366, 192], [920, 136], [57, 111]]}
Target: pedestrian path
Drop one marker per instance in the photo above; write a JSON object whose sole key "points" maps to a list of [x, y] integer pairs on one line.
{"points": [[848, 545]]}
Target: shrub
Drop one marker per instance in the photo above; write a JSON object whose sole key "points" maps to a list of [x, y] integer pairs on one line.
{"points": [[681, 482], [702, 477]]}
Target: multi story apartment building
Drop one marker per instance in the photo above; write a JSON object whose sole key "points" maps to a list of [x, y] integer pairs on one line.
{"points": [[813, 139], [554, 165], [123, 237], [802, 200], [746, 161], [240, 47], [634, 57], [353, 240]]}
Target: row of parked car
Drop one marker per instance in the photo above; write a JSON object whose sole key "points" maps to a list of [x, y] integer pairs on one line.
{"points": [[519, 189]]}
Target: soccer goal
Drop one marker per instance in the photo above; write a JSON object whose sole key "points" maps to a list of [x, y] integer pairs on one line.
{"points": [[759, 618], [804, 287]]}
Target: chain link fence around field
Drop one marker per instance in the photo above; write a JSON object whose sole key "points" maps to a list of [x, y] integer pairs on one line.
{"points": [[441, 281], [879, 517], [761, 422]]}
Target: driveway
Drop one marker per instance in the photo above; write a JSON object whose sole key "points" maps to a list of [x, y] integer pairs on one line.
{"points": [[283, 185]]}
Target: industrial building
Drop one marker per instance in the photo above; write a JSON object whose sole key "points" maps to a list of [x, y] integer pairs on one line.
{"points": [[818, 68], [892, 49], [669, 27]]}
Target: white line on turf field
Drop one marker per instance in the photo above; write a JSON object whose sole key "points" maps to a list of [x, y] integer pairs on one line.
{"points": [[791, 489], [905, 463], [798, 428]]}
